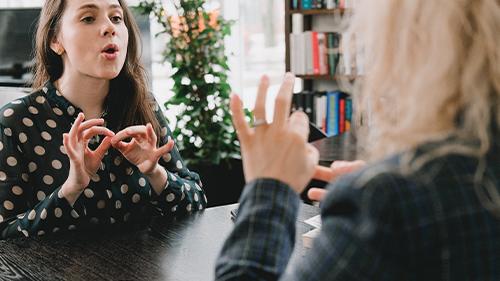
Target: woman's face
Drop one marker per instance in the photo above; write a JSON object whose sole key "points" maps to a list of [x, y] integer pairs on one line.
{"points": [[94, 38]]}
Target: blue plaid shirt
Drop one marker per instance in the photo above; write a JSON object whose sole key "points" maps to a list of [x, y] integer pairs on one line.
{"points": [[377, 224]]}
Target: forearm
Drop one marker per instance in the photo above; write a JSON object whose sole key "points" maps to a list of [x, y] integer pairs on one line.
{"points": [[158, 179]]}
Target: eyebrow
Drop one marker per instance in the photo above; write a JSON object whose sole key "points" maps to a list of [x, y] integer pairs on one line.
{"points": [[95, 7]]}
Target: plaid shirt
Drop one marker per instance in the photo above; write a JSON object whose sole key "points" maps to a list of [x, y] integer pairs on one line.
{"points": [[377, 224]]}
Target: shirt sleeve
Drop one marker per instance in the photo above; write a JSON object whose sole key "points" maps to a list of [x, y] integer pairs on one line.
{"points": [[357, 240], [183, 191], [19, 215]]}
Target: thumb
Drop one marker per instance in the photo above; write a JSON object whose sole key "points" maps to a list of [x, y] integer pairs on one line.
{"points": [[316, 194], [103, 147]]}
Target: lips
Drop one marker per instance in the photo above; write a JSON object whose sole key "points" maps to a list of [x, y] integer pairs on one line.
{"points": [[110, 51]]}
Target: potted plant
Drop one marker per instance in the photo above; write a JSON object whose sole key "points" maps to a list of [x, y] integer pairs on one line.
{"points": [[204, 132]]}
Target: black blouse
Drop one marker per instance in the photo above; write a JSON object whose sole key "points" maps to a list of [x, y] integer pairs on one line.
{"points": [[34, 165]]}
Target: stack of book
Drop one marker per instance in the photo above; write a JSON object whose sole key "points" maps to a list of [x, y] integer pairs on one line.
{"points": [[329, 111], [321, 4]]}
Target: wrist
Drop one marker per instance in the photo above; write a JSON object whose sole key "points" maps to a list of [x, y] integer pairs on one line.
{"points": [[70, 192]]}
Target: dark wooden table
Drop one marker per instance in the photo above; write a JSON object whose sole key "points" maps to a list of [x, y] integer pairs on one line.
{"points": [[168, 249]]}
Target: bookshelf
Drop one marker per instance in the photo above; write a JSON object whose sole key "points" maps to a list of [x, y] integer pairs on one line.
{"points": [[314, 56]]}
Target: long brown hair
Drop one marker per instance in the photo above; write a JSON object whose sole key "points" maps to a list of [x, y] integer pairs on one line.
{"points": [[129, 102]]}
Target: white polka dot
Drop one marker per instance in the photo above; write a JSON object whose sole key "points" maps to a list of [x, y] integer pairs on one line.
{"points": [[71, 110], [23, 138], [136, 198], [33, 110], [118, 204], [46, 136], [21, 216], [40, 99], [112, 220], [95, 178], [8, 205], [48, 180], [58, 212], [7, 132], [43, 214], [3, 176], [178, 164], [170, 197], [1, 146], [188, 187], [1, 218], [62, 149], [51, 123], [142, 182], [188, 208], [17, 190], [196, 198], [103, 166], [101, 204], [174, 178], [25, 177], [112, 177], [11, 161], [117, 161], [45, 89], [32, 167], [129, 171], [40, 195], [167, 157], [74, 214], [32, 215], [39, 150], [56, 229], [110, 194], [174, 209], [126, 217], [56, 164], [25, 233], [41, 233], [164, 131], [8, 112], [200, 207], [88, 193], [71, 227], [197, 187], [28, 122], [16, 101], [57, 111], [124, 188]]}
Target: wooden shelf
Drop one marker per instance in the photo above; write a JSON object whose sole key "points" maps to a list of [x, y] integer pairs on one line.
{"points": [[319, 11], [327, 77]]}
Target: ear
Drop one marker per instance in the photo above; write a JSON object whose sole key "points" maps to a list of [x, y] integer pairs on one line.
{"points": [[56, 47]]}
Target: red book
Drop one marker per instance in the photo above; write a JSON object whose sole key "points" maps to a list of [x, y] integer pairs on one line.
{"points": [[342, 115], [315, 48]]}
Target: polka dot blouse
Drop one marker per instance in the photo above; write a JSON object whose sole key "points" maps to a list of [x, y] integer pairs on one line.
{"points": [[34, 165]]}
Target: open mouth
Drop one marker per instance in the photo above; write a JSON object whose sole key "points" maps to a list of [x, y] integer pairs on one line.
{"points": [[110, 49]]}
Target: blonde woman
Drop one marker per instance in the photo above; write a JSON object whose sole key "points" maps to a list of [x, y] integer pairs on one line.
{"points": [[427, 205]]}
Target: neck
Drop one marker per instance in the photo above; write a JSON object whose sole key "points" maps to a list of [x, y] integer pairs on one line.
{"points": [[86, 93]]}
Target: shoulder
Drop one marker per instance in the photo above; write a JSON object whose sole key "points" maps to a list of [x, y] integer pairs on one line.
{"points": [[16, 110]]}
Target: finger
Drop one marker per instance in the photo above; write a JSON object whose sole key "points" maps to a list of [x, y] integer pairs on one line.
{"points": [[283, 100], [165, 148], [121, 145], [313, 155], [103, 147], [316, 194], [150, 132], [299, 123], [323, 173], [238, 117], [132, 131], [68, 147], [73, 132], [259, 111], [94, 131], [89, 124]]}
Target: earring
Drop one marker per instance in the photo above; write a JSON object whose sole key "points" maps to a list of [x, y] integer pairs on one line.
{"points": [[59, 51]]}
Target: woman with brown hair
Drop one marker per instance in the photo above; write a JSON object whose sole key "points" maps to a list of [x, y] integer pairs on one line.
{"points": [[427, 204], [65, 167]]}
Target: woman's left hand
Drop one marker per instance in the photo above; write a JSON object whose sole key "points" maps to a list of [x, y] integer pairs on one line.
{"points": [[141, 150]]}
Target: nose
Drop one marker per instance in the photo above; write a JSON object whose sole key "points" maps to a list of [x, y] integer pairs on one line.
{"points": [[108, 29]]}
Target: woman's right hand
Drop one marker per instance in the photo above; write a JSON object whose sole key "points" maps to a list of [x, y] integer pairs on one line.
{"points": [[337, 169], [84, 162]]}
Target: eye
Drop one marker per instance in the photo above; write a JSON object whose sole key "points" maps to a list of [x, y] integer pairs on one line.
{"points": [[116, 19], [88, 19]]}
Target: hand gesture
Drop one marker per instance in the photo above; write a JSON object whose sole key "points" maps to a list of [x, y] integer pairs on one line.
{"points": [[337, 169], [141, 150], [84, 162], [278, 150]]}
